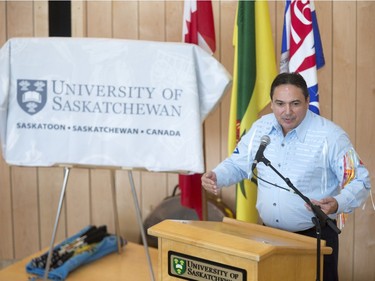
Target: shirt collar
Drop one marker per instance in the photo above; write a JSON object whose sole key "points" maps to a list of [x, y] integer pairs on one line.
{"points": [[300, 131]]}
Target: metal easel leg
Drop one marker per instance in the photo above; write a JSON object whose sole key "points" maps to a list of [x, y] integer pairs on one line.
{"points": [[62, 196], [139, 218], [115, 210]]}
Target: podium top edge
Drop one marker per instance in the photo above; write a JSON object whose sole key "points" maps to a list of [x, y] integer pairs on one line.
{"points": [[249, 240]]}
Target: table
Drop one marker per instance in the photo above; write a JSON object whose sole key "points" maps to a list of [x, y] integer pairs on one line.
{"points": [[130, 265]]}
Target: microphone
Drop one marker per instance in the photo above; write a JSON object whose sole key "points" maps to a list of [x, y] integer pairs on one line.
{"points": [[264, 141]]}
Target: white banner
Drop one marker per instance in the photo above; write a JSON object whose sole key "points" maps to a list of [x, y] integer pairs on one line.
{"points": [[106, 102]]}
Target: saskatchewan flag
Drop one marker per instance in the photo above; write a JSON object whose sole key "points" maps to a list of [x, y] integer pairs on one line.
{"points": [[254, 71]]}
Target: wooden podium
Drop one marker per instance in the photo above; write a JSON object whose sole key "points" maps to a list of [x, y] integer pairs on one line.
{"points": [[234, 250]]}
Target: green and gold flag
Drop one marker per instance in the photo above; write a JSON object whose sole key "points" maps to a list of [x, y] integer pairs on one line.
{"points": [[254, 71]]}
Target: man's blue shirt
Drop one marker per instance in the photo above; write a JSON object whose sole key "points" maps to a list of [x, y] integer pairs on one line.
{"points": [[314, 156]]}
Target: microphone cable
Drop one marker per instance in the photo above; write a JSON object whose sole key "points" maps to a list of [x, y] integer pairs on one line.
{"points": [[256, 178]]}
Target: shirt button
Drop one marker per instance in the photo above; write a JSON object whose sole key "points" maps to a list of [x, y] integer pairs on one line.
{"points": [[274, 204], [277, 220], [282, 144]]}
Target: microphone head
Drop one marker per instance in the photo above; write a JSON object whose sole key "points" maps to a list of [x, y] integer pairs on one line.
{"points": [[265, 140]]}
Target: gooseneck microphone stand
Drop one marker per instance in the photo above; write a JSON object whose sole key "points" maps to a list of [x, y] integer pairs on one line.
{"points": [[320, 218]]}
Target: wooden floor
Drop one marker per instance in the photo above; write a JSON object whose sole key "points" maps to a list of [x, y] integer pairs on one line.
{"points": [[130, 265]]}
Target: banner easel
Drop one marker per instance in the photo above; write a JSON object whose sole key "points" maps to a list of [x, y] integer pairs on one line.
{"points": [[146, 100], [116, 218]]}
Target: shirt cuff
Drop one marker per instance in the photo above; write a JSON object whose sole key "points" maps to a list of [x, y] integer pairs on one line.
{"points": [[344, 203]]}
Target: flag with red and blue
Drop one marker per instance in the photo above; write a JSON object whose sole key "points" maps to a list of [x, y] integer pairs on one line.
{"points": [[301, 49]]}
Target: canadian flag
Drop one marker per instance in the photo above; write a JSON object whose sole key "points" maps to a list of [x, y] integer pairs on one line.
{"points": [[198, 28], [198, 24]]}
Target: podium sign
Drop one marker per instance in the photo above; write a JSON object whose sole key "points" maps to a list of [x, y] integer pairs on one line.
{"points": [[194, 268], [106, 102]]}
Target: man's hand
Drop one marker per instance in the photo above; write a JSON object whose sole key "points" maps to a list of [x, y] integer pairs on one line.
{"points": [[328, 205], [209, 182]]}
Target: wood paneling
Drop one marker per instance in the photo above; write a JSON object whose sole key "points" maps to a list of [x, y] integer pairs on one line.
{"points": [[227, 20], [25, 211], [3, 32], [20, 18], [101, 198], [347, 96], [325, 14], [125, 203], [125, 19], [99, 19], [6, 219], [41, 18], [24, 185], [364, 250], [212, 124], [343, 95], [152, 20], [77, 201], [50, 182], [79, 16]]}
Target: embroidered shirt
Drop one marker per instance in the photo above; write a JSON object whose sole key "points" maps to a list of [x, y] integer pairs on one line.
{"points": [[311, 156]]}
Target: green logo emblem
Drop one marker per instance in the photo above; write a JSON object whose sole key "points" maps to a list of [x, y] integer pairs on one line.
{"points": [[179, 266]]}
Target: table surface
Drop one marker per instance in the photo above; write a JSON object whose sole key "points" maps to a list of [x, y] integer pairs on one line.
{"points": [[131, 264]]}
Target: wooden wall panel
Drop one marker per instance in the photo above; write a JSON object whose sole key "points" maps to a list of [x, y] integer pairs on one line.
{"points": [[347, 96], [79, 12], [50, 181], [365, 83], [343, 95], [19, 16], [25, 212], [125, 202], [324, 14], [41, 18], [3, 32], [212, 132], [227, 20], [125, 19], [280, 8], [344, 58], [364, 239], [99, 19], [173, 28], [77, 201], [152, 20], [6, 219], [173, 33], [101, 198], [153, 191]]}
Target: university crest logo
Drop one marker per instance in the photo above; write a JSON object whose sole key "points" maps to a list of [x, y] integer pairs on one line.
{"points": [[31, 95], [179, 266]]}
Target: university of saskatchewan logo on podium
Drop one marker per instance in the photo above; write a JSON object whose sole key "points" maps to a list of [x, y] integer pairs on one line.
{"points": [[195, 268], [31, 95], [179, 266]]}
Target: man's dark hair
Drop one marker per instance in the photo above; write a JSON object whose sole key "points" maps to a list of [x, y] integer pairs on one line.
{"points": [[292, 78]]}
